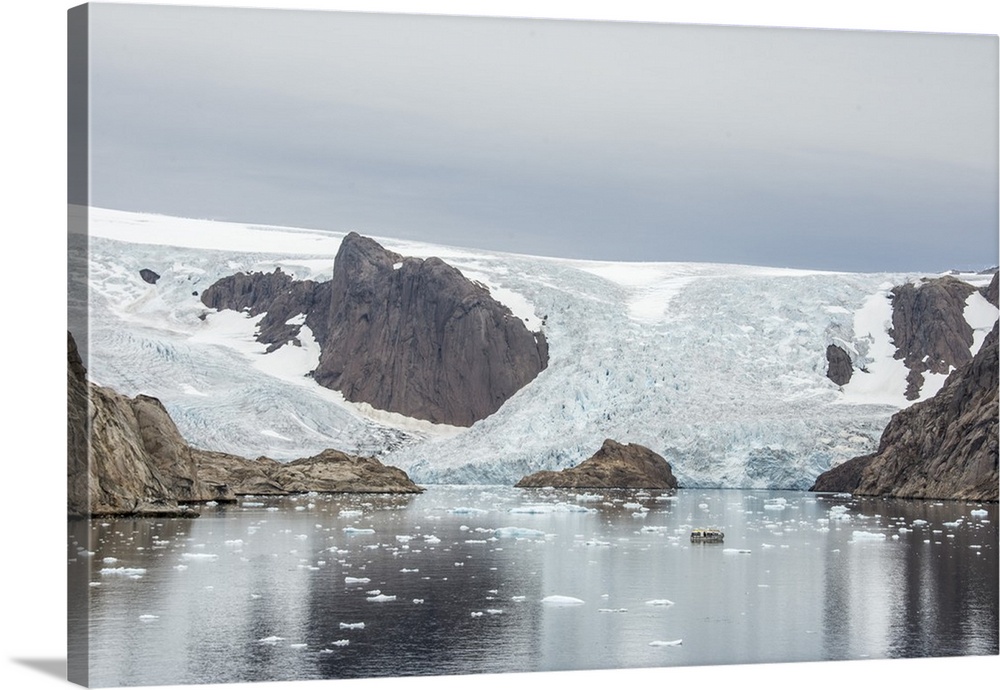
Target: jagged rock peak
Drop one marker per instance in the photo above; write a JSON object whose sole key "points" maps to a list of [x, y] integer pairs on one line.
{"points": [[613, 466], [407, 335]]}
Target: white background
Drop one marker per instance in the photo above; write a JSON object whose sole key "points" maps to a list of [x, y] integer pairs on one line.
{"points": [[32, 351]]}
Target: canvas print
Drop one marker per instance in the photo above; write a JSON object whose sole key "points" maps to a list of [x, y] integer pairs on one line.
{"points": [[427, 345]]}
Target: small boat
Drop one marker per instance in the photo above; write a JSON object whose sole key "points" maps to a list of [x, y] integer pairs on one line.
{"points": [[707, 536]]}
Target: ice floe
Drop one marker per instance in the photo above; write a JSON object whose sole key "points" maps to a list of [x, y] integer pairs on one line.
{"points": [[382, 597], [861, 535], [519, 533], [561, 600], [666, 643]]}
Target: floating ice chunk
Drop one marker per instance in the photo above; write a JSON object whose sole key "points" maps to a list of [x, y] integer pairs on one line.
{"points": [[518, 598], [180, 566], [660, 602], [352, 626], [374, 592], [272, 639], [382, 597], [409, 570], [345, 513], [211, 504], [199, 556], [467, 510], [109, 560], [519, 533], [494, 612], [587, 498], [418, 601], [860, 535], [774, 506], [124, 572], [340, 643], [561, 600], [632, 506], [736, 551], [358, 530], [356, 580], [233, 542], [251, 504], [919, 523], [666, 643], [954, 524], [979, 513], [403, 538], [298, 645], [148, 617], [477, 614], [431, 539], [612, 610], [665, 498]]}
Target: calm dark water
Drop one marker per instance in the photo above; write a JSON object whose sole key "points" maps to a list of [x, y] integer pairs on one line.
{"points": [[456, 580]]}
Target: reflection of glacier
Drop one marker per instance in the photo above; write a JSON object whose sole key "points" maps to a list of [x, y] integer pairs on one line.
{"points": [[719, 368]]}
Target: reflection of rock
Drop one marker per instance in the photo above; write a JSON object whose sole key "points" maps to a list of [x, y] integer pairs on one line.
{"points": [[405, 335], [929, 328], [127, 457], [614, 466], [944, 447], [149, 276], [839, 368]]}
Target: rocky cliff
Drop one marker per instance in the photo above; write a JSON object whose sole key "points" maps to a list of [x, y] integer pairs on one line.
{"points": [[407, 335], [127, 457], [945, 447], [929, 331], [614, 466], [125, 454]]}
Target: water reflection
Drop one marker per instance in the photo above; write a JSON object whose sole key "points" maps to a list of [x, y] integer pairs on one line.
{"points": [[273, 589]]}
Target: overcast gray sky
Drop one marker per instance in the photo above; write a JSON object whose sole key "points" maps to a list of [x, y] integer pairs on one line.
{"points": [[840, 150]]}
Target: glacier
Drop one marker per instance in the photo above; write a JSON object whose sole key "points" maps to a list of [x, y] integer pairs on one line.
{"points": [[719, 368]]}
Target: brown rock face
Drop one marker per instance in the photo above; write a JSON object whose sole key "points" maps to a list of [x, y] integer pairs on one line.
{"points": [[929, 328], [945, 447], [614, 466], [405, 335], [127, 457], [992, 291]]}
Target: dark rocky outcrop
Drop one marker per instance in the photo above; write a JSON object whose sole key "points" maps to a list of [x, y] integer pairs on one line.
{"points": [[149, 276], [328, 472], [127, 457], [929, 328], [945, 447], [614, 466], [407, 335], [838, 365]]}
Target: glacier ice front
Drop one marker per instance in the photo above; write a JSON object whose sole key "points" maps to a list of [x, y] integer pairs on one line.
{"points": [[721, 369]]}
